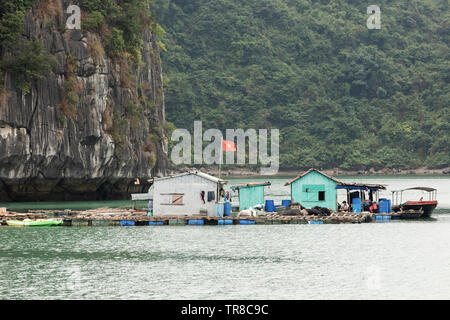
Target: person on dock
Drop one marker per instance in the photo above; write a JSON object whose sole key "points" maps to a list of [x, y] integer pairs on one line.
{"points": [[225, 195], [344, 206], [374, 207]]}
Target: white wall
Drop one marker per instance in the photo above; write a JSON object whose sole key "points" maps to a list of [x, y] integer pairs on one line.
{"points": [[191, 186]]}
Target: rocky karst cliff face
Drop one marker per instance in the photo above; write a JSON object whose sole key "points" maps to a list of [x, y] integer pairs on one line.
{"points": [[91, 127]]}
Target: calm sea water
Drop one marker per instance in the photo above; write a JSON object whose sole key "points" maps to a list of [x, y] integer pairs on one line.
{"points": [[401, 259]]}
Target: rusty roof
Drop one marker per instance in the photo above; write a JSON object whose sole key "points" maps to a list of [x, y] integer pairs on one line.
{"points": [[310, 170], [340, 183]]}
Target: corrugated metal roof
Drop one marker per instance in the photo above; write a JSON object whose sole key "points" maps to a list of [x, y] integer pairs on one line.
{"points": [[254, 184], [310, 170], [340, 183], [197, 173], [357, 185]]}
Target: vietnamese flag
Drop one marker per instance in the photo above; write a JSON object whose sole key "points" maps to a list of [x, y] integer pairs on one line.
{"points": [[228, 145]]}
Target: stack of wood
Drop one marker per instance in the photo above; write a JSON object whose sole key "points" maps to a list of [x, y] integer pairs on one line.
{"points": [[334, 217], [115, 214], [273, 215], [5, 215], [55, 213]]}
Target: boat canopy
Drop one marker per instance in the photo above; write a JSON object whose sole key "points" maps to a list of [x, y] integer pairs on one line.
{"points": [[427, 189], [397, 195]]}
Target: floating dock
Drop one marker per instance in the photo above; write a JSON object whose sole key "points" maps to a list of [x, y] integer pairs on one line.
{"points": [[124, 217]]}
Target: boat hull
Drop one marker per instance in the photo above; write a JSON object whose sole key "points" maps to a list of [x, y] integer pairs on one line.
{"points": [[35, 223], [426, 206]]}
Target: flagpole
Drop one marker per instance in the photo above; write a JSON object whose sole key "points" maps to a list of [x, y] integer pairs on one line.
{"points": [[221, 156]]}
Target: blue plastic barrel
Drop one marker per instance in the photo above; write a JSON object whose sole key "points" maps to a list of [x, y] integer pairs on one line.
{"points": [[225, 221], [383, 206], [246, 221], [356, 205], [196, 222], [270, 206], [125, 223], [285, 203], [155, 223], [382, 219], [227, 209]]}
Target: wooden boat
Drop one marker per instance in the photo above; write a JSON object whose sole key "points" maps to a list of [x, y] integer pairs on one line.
{"points": [[427, 206], [34, 223]]}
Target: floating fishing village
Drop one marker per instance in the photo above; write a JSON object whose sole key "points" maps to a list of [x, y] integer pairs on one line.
{"points": [[218, 154], [197, 198]]}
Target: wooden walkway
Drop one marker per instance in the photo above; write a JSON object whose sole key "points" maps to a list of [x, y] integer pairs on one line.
{"points": [[124, 217]]}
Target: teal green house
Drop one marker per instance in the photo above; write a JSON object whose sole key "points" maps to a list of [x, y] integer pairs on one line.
{"points": [[314, 188], [251, 194]]}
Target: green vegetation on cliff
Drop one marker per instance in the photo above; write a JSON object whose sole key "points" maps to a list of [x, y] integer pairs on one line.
{"points": [[25, 60], [12, 13], [342, 95], [120, 23]]}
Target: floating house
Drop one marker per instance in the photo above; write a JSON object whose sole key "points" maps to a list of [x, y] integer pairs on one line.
{"points": [[185, 194], [315, 188], [251, 194]]}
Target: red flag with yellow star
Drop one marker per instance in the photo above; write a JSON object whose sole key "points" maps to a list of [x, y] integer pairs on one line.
{"points": [[228, 145]]}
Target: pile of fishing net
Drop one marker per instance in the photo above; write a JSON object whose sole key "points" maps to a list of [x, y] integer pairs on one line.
{"points": [[316, 211], [319, 211], [292, 212], [294, 209]]}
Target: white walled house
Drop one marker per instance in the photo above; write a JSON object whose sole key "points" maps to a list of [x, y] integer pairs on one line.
{"points": [[181, 194]]}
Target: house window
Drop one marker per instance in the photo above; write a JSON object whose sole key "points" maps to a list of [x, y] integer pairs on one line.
{"points": [[174, 199], [321, 195]]}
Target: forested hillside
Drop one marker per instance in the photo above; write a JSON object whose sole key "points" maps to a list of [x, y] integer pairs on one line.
{"points": [[342, 95]]}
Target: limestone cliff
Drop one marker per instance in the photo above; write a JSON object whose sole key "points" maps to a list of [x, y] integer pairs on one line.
{"points": [[90, 139]]}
